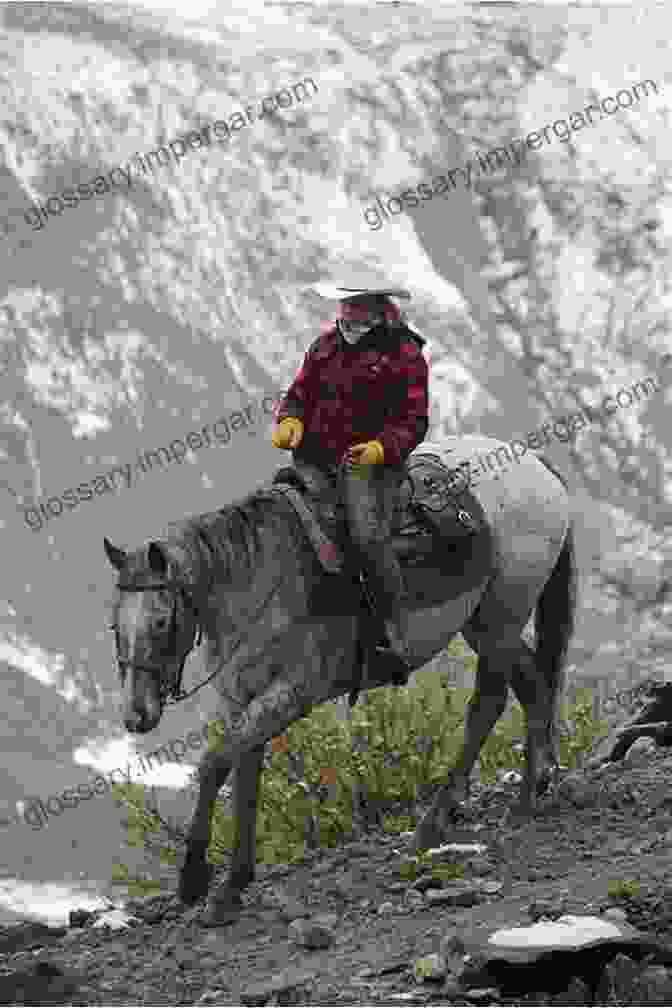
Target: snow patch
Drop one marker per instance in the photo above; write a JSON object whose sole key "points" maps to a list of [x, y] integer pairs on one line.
{"points": [[569, 931]]}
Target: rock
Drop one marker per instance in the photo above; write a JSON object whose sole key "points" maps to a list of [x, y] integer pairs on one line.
{"points": [[214, 996], [115, 919], [457, 896], [480, 865], [579, 791], [491, 888], [413, 900], [20, 936], [617, 980], [293, 910], [653, 986], [453, 949], [429, 967], [41, 983], [291, 985], [578, 993], [424, 883], [359, 850], [616, 915], [315, 933], [509, 777], [640, 752], [482, 995], [475, 972], [448, 850], [539, 909], [452, 990]]}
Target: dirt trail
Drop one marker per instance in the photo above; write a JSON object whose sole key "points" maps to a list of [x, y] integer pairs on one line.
{"points": [[382, 923]]}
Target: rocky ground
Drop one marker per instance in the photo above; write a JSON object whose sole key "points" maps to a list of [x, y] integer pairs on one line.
{"points": [[361, 926]]}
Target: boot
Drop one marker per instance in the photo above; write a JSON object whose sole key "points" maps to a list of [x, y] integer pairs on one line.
{"points": [[395, 654]]}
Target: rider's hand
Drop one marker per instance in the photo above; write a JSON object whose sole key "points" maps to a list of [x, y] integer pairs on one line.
{"points": [[368, 453], [288, 433]]}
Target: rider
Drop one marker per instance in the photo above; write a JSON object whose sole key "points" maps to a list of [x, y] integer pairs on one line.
{"points": [[361, 398]]}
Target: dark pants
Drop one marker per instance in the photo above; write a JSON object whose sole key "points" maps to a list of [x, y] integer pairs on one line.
{"points": [[369, 494]]}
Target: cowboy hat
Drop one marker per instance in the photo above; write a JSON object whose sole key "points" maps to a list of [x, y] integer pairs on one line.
{"points": [[334, 293]]}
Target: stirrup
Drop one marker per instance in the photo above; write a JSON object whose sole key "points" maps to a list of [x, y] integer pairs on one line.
{"points": [[400, 667]]}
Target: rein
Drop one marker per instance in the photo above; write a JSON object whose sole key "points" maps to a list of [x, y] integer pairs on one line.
{"points": [[173, 693]]}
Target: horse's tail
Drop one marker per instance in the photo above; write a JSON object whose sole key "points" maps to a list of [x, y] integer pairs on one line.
{"points": [[554, 622]]}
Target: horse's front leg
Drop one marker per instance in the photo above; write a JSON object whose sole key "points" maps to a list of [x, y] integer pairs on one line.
{"points": [[196, 873], [266, 716], [247, 778]]}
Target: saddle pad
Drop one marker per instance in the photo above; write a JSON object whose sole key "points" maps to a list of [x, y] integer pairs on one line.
{"points": [[329, 554]]}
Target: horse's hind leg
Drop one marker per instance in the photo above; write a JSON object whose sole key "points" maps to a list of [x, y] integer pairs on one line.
{"points": [[486, 706], [532, 692]]}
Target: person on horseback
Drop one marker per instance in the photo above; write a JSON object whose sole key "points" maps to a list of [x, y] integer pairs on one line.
{"points": [[357, 407]]}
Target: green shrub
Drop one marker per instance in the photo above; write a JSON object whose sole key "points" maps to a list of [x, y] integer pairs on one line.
{"points": [[399, 744], [624, 889], [586, 730]]}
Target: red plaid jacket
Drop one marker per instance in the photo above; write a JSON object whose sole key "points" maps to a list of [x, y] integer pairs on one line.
{"points": [[347, 395]]}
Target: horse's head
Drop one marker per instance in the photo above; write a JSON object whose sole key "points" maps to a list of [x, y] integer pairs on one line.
{"points": [[155, 624]]}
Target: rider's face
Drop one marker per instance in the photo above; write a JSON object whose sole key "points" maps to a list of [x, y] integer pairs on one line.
{"points": [[356, 319]]}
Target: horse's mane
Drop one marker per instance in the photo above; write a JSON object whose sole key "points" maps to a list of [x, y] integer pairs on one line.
{"points": [[217, 545]]}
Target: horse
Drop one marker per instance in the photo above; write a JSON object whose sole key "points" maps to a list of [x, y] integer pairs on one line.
{"points": [[282, 635]]}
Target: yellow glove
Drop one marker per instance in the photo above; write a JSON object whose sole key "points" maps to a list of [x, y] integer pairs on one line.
{"points": [[369, 453], [288, 433]]}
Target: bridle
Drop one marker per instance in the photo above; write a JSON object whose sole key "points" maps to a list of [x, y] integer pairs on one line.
{"points": [[173, 692]]}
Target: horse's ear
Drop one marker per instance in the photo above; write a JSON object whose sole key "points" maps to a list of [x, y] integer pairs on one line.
{"points": [[117, 557], [158, 561]]}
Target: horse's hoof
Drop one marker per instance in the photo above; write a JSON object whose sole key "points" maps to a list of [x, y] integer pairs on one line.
{"points": [[224, 908], [545, 784], [520, 813], [195, 879], [427, 834]]}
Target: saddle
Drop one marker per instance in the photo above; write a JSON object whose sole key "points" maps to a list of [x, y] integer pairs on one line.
{"points": [[433, 503], [436, 515]]}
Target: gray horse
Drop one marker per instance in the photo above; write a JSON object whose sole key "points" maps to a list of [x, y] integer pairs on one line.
{"points": [[281, 637]]}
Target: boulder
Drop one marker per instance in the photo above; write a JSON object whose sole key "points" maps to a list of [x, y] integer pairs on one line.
{"points": [[569, 933], [315, 933], [653, 986], [288, 987], [42, 983], [640, 752], [482, 995], [20, 936], [577, 993], [579, 790], [647, 703], [616, 982], [455, 895]]}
